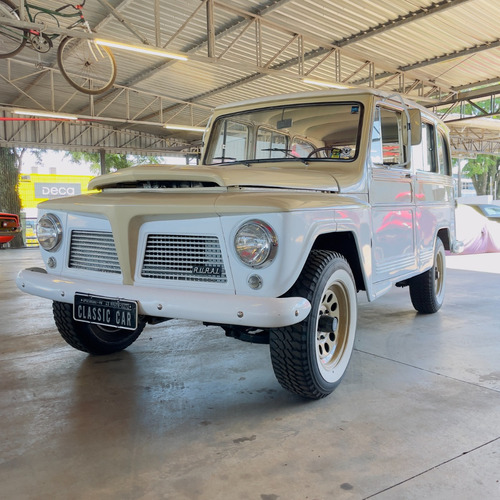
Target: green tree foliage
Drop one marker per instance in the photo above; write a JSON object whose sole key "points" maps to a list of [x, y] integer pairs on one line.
{"points": [[113, 162], [477, 107], [481, 107], [484, 173]]}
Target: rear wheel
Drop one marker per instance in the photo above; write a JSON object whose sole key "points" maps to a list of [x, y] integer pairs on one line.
{"points": [[94, 339], [12, 39], [427, 289], [311, 357], [87, 67]]}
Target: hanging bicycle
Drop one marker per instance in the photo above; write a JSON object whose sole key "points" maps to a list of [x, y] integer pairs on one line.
{"points": [[86, 66]]}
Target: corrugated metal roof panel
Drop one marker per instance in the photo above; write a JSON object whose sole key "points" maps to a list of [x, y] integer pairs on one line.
{"points": [[420, 37]]}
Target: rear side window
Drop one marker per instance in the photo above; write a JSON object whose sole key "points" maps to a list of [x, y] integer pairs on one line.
{"points": [[442, 153], [424, 154], [431, 155]]}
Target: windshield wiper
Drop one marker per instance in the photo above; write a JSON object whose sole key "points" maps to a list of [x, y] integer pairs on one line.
{"points": [[253, 161], [288, 153], [281, 150], [232, 161]]}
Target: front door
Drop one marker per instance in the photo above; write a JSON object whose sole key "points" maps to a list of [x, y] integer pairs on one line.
{"points": [[392, 198]]}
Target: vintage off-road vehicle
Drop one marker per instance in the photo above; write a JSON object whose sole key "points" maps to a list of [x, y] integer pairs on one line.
{"points": [[300, 202]]}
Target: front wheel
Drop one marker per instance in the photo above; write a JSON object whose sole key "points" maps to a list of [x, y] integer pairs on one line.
{"points": [[427, 289], [87, 67], [12, 39], [311, 357], [94, 339]]}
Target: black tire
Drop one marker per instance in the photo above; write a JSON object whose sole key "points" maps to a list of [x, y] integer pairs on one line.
{"points": [[427, 289], [12, 40], [94, 339], [311, 357], [87, 67]]}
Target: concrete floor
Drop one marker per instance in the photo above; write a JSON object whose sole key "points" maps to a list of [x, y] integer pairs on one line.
{"points": [[186, 413]]}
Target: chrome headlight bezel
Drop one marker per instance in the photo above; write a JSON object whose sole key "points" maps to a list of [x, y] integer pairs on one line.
{"points": [[49, 232], [255, 243]]}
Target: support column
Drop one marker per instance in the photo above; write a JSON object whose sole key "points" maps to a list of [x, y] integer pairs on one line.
{"points": [[102, 157], [210, 28]]}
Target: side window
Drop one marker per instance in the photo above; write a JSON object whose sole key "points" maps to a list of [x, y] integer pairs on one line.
{"points": [[443, 158], [271, 144], [424, 154], [431, 155], [231, 143], [387, 146]]}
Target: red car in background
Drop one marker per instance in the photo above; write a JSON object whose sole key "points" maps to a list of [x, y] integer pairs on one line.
{"points": [[9, 227]]}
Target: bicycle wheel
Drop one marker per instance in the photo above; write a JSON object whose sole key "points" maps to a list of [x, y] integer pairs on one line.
{"points": [[87, 67], [12, 39]]}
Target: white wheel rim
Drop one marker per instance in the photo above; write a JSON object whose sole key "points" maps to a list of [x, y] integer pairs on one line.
{"points": [[333, 349], [439, 275]]}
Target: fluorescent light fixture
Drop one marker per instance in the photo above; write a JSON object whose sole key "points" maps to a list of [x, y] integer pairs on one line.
{"points": [[326, 84], [45, 114], [141, 49], [184, 127]]}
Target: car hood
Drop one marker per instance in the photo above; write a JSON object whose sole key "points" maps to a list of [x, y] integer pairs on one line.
{"points": [[286, 176]]}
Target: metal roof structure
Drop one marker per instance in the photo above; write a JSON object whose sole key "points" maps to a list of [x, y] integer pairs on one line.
{"points": [[444, 54]]}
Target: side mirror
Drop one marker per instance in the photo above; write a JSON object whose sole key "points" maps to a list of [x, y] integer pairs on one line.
{"points": [[415, 125]]}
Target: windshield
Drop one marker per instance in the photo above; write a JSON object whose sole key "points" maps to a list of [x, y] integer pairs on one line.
{"points": [[306, 132]]}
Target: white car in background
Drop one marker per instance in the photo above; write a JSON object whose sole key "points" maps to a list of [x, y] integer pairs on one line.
{"points": [[478, 233]]}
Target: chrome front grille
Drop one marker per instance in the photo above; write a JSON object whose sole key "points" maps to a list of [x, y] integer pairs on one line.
{"points": [[93, 251], [184, 258]]}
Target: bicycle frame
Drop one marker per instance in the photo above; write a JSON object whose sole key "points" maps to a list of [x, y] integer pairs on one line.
{"points": [[55, 14]]}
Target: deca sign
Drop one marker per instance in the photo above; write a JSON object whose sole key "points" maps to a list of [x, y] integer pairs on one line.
{"points": [[56, 190]]}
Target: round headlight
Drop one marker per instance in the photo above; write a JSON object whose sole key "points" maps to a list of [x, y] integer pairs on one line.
{"points": [[49, 232], [255, 243]]}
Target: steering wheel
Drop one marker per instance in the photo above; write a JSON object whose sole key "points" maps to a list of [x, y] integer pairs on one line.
{"points": [[317, 150]]}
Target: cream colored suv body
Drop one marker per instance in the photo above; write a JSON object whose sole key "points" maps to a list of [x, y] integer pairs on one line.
{"points": [[300, 202]]}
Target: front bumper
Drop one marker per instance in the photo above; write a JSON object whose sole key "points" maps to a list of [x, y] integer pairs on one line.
{"points": [[457, 246], [244, 310], [7, 234]]}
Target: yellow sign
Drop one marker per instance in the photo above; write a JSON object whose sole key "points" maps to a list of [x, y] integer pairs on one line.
{"points": [[35, 188]]}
